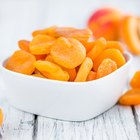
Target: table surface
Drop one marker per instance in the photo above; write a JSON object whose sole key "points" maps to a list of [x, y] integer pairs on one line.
{"points": [[17, 20]]}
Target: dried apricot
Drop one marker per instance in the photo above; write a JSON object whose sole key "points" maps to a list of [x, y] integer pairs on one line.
{"points": [[41, 44], [89, 45], [1, 117], [84, 70], [38, 75], [51, 70], [22, 62], [135, 81], [79, 34], [131, 97], [49, 58], [113, 54], [46, 31], [91, 76], [24, 45], [115, 45], [71, 72], [40, 57], [106, 67], [97, 49], [68, 52]]}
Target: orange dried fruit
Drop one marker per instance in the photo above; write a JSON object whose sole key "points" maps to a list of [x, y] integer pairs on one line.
{"points": [[24, 45], [115, 45], [41, 44], [113, 54], [38, 75], [1, 117], [71, 72], [135, 81], [106, 67], [97, 49], [22, 62], [68, 52], [89, 45], [40, 57], [131, 97], [91, 76], [68, 32], [49, 58], [51, 70], [47, 31], [84, 70]]}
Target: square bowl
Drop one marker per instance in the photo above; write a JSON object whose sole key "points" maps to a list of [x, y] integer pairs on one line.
{"points": [[71, 101]]}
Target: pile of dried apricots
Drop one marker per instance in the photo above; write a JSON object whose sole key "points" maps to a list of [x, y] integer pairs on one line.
{"points": [[132, 96], [66, 54]]}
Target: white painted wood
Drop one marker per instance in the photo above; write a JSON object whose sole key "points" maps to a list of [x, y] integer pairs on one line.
{"points": [[17, 125], [116, 124]]}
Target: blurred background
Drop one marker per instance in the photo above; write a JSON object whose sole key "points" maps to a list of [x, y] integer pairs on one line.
{"points": [[18, 18]]}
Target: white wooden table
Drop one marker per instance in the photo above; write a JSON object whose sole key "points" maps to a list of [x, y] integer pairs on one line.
{"points": [[17, 19], [118, 123]]}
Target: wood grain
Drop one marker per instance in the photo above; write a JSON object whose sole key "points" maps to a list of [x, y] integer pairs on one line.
{"points": [[18, 125], [116, 124]]}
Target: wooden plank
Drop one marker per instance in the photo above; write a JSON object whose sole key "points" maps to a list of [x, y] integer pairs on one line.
{"points": [[116, 124], [136, 110], [18, 125]]}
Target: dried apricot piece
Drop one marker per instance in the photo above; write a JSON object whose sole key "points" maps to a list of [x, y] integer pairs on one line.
{"points": [[40, 57], [91, 76], [84, 70], [114, 44], [131, 97], [106, 67], [41, 44], [46, 31], [71, 72], [38, 75], [24, 45], [135, 81], [89, 45], [68, 32], [49, 58], [22, 62], [68, 52], [51, 70], [113, 54], [97, 49], [1, 117]]}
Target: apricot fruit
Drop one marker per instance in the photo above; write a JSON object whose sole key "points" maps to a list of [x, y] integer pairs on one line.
{"points": [[51, 70], [91, 76], [135, 81], [68, 52], [130, 33], [84, 70], [68, 32], [41, 44], [131, 97], [97, 49], [22, 62], [105, 23], [106, 67], [113, 54]]}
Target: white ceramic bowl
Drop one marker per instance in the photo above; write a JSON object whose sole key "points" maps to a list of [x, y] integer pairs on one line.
{"points": [[65, 100]]}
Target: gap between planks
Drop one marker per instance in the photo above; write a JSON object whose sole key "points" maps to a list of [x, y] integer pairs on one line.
{"points": [[116, 124]]}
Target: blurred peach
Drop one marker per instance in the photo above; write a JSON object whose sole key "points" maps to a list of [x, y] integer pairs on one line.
{"points": [[104, 23]]}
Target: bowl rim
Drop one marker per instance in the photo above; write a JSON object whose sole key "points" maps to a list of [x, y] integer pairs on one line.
{"points": [[126, 54]]}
